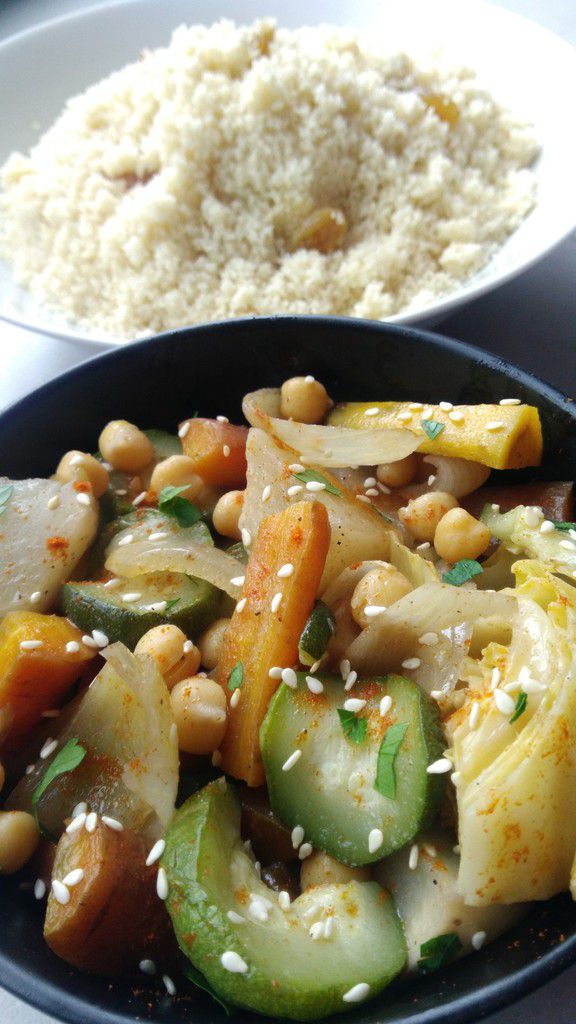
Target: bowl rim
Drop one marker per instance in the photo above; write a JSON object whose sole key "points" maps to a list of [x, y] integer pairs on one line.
{"points": [[472, 288], [63, 1004]]}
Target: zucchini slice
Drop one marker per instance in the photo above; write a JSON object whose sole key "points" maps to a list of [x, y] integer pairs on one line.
{"points": [[316, 634], [330, 791], [188, 602], [164, 444], [288, 972]]}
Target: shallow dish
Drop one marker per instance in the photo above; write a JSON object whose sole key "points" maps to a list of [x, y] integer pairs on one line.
{"points": [[524, 65], [210, 368]]}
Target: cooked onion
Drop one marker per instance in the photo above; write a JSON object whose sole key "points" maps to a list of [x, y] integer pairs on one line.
{"points": [[327, 446], [456, 476]]}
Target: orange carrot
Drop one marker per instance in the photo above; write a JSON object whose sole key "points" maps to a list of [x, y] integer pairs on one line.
{"points": [[218, 451], [265, 633]]}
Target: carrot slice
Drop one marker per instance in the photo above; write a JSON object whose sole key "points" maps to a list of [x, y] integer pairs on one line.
{"points": [[218, 451], [266, 631]]}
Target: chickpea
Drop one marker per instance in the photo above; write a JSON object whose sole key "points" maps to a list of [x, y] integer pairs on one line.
{"points": [[380, 586], [210, 643], [81, 466], [304, 399], [459, 535], [398, 474], [19, 837], [177, 471], [165, 645], [125, 446], [422, 515], [199, 708], [321, 869], [226, 514]]}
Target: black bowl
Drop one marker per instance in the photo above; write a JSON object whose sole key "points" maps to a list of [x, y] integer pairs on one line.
{"points": [[163, 380]]}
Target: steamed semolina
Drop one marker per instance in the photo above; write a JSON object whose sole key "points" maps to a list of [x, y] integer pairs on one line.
{"points": [[182, 188]]}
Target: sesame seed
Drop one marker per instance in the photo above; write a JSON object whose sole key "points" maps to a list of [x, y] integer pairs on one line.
{"points": [[226, 451], [478, 939], [297, 836], [266, 492], [547, 527], [233, 962], [495, 425], [309, 379], [474, 715], [238, 581], [284, 900], [187, 647], [375, 840], [52, 713], [156, 852], [235, 918], [169, 985], [30, 768], [73, 877], [405, 416], [112, 823], [351, 678], [416, 406], [258, 910], [373, 411], [504, 702], [364, 498], [428, 639], [314, 486], [372, 492], [425, 546], [120, 491], [125, 540], [305, 851], [115, 582], [413, 857], [437, 694], [431, 480], [294, 489], [383, 489], [456, 778], [159, 535], [183, 430], [456, 416], [317, 930], [91, 821], [440, 767], [275, 672], [83, 499], [385, 705], [370, 481], [445, 406], [30, 645], [530, 685], [222, 419], [39, 888], [427, 413], [162, 884], [147, 967], [411, 663], [509, 401], [131, 597], [372, 610], [89, 641], [139, 499], [48, 748], [77, 823], [494, 678], [158, 607], [35, 597], [429, 849], [568, 545], [344, 668], [61, 892], [354, 704], [314, 685], [100, 638], [533, 517], [235, 698], [357, 993], [246, 537], [296, 467], [81, 808], [276, 602], [241, 604], [285, 571], [53, 502], [291, 761]]}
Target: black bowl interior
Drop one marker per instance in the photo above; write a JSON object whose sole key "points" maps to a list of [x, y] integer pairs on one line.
{"points": [[158, 383]]}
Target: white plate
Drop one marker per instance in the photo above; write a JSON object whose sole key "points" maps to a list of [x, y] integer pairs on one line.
{"points": [[525, 66]]}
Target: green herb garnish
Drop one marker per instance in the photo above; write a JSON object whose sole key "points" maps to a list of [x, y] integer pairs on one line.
{"points": [[385, 775], [354, 728], [200, 981], [432, 428], [521, 702], [170, 605], [310, 475], [463, 571], [171, 503], [6, 493], [438, 951], [66, 760], [558, 525], [236, 677]]}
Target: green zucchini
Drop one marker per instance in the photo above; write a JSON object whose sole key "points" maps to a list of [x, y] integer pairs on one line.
{"points": [[330, 791], [94, 606], [288, 972], [520, 529], [238, 551], [164, 444], [316, 635]]}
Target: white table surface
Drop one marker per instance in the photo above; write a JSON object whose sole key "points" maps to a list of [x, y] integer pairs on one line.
{"points": [[531, 321]]}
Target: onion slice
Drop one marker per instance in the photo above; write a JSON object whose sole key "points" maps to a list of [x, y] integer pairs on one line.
{"points": [[327, 446], [457, 476]]}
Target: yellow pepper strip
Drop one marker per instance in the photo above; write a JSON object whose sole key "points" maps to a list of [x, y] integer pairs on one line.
{"points": [[499, 436]]}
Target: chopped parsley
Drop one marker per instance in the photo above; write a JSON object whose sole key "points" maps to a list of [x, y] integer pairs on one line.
{"points": [[236, 677], [558, 524], [311, 476], [385, 775], [200, 981], [463, 571], [67, 759], [432, 428], [170, 605], [6, 493], [438, 951], [171, 503], [521, 701], [354, 728]]}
